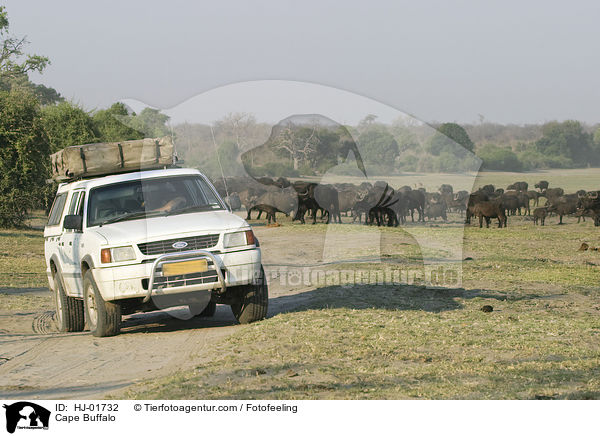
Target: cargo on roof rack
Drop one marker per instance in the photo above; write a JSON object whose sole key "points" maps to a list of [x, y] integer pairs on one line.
{"points": [[93, 160]]}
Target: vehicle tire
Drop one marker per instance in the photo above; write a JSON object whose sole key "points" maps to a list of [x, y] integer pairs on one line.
{"points": [[103, 317], [254, 302], [69, 311], [207, 312]]}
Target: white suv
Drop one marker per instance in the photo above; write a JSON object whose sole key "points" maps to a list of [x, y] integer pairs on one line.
{"points": [[149, 240]]}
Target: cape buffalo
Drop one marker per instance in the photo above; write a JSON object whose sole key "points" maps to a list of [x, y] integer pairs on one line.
{"points": [[539, 214], [436, 210], [489, 210], [563, 205]]}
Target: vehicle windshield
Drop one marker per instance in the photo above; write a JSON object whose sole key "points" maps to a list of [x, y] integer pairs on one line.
{"points": [[139, 199]]}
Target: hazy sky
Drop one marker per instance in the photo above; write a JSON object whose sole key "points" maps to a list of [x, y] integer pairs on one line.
{"points": [[512, 62]]}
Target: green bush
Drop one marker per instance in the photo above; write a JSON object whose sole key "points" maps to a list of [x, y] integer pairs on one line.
{"points": [[450, 138], [499, 158], [532, 159], [24, 151], [68, 124], [408, 163]]}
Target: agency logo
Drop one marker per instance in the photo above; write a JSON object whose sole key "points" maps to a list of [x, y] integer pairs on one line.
{"points": [[304, 150], [26, 415]]}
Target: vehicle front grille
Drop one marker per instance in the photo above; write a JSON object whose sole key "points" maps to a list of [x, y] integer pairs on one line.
{"points": [[166, 246], [192, 279]]}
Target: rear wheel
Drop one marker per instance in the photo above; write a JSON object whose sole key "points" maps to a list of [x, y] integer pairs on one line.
{"points": [[253, 303], [69, 310], [103, 317]]}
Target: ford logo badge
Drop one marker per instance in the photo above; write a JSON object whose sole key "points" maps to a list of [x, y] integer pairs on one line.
{"points": [[179, 244]]}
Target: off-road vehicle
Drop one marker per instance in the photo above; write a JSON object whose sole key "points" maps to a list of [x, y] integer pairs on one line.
{"points": [[147, 240]]}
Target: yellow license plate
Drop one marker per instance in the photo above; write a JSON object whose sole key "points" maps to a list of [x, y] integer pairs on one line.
{"points": [[186, 267]]}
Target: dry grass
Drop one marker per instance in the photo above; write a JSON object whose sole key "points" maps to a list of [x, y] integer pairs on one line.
{"points": [[22, 262], [542, 339]]}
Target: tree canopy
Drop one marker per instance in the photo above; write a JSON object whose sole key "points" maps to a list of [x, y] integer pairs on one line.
{"points": [[68, 124], [378, 146], [566, 139], [15, 64], [113, 124], [450, 138], [499, 158], [24, 150], [150, 122]]}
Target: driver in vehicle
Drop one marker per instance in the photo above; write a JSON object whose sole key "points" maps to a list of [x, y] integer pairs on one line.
{"points": [[171, 205], [163, 201]]}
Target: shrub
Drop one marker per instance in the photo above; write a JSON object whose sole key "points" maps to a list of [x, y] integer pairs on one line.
{"points": [[24, 151], [499, 158]]}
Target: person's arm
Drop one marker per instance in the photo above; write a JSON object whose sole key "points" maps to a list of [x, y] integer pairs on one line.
{"points": [[171, 204]]}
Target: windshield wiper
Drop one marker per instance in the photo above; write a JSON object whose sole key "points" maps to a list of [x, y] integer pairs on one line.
{"points": [[133, 215], [196, 208]]}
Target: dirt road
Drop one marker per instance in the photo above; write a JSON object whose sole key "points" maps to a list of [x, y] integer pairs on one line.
{"points": [[36, 361]]}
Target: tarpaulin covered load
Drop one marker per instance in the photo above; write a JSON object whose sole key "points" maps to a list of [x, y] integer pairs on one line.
{"points": [[103, 158]]}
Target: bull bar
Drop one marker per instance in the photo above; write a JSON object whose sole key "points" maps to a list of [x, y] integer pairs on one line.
{"points": [[183, 255]]}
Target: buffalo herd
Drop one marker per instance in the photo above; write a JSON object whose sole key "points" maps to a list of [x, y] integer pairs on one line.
{"points": [[379, 204]]}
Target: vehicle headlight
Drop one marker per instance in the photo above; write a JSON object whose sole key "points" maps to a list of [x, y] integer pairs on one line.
{"points": [[117, 254], [238, 239]]}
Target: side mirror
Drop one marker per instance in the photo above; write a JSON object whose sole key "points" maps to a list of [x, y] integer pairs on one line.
{"points": [[73, 222]]}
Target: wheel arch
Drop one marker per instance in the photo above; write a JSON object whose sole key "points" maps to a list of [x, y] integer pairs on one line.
{"points": [[87, 263], [55, 269]]}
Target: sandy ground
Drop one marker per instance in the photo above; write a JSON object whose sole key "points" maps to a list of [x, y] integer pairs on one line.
{"points": [[36, 361]]}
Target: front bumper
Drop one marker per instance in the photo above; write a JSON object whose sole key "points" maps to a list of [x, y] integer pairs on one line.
{"points": [[225, 269]]}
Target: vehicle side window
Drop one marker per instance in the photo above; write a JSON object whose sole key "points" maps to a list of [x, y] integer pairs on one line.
{"points": [[73, 205], [57, 209], [81, 203]]}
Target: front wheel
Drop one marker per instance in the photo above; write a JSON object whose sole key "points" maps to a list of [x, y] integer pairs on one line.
{"points": [[103, 317], [69, 311], [253, 303]]}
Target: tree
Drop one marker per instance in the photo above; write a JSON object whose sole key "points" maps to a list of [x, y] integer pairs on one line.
{"points": [[595, 148], [299, 143], [113, 124], [242, 128], [499, 158], [451, 138], [68, 124], [378, 146], [24, 151], [151, 123], [15, 65], [406, 139], [225, 159], [457, 134], [367, 121], [567, 139], [13, 61], [597, 136]]}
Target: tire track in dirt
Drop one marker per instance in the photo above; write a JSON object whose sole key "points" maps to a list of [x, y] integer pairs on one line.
{"points": [[44, 323]]}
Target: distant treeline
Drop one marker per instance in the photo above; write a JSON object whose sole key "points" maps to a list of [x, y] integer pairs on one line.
{"points": [[389, 148]]}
